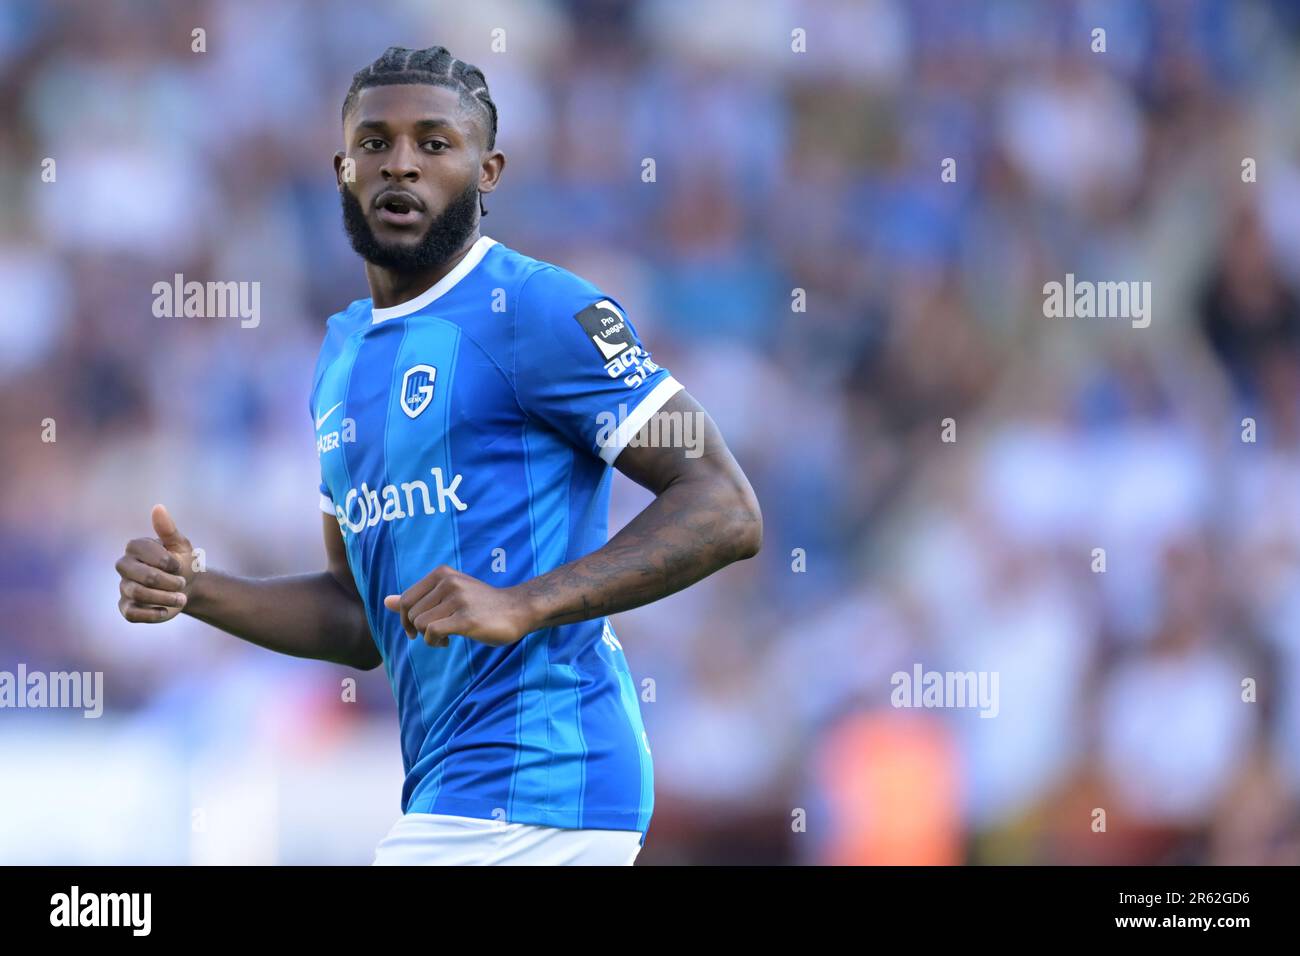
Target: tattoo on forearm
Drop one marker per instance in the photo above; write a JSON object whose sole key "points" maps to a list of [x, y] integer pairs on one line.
{"points": [[674, 542]]}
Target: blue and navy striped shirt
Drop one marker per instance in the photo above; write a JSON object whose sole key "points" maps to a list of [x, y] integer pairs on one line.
{"points": [[475, 426]]}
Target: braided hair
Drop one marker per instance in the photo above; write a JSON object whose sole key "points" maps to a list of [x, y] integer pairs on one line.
{"points": [[434, 66]]}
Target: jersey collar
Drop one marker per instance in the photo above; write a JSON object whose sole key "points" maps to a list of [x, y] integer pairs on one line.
{"points": [[439, 288]]}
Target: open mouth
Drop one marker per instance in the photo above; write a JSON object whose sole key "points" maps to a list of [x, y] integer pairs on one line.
{"points": [[398, 209]]}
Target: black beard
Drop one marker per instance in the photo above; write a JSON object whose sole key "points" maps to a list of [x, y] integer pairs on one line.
{"points": [[445, 236]]}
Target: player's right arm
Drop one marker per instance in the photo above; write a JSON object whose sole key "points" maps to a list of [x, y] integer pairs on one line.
{"points": [[317, 615]]}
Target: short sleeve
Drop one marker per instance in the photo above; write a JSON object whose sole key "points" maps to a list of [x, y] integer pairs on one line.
{"points": [[326, 501], [580, 366], [337, 328]]}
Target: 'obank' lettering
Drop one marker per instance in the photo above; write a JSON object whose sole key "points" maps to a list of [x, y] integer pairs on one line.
{"points": [[365, 507]]}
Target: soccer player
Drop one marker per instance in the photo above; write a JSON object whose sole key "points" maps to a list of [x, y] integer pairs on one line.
{"points": [[467, 415]]}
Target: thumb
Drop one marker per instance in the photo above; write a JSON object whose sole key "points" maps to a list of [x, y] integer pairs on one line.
{"points": [[393, 602], [165, 528]]}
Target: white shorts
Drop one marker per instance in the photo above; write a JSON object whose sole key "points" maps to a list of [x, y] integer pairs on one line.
{"points": [[440, 839]]}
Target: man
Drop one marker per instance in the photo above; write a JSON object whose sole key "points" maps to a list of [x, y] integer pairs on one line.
{"points": [[467, 416]]}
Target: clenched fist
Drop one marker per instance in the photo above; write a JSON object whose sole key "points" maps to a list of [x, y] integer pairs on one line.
{"points": [[447, 601], [156, 573]]}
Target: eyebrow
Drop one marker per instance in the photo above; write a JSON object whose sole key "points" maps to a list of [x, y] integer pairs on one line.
{"points": [[435, 122]]}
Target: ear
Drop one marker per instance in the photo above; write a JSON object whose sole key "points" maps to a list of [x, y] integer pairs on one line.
{"points": [[490, 172], [338, 169]]}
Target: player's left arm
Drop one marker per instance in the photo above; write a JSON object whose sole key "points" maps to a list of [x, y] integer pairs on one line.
{"points": [[704, 516]]}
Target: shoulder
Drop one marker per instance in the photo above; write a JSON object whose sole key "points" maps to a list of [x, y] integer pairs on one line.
{"points": [[337, 328], [342, 324], [347, 321], [551, 288], [538, 284], [568, 327], [563, 309], [557, 310]]}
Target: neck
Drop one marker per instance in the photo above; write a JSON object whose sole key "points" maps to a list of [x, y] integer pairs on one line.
{"points": [[389, 288]]}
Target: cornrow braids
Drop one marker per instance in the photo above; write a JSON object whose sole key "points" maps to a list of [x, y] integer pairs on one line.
{"points": [[434, 66]]}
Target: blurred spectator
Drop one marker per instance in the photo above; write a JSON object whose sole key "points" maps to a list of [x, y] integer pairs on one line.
{"points": [[782, 178]]}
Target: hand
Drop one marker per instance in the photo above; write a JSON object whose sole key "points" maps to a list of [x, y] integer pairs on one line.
{"points": [[447, 601], [156, 573]]}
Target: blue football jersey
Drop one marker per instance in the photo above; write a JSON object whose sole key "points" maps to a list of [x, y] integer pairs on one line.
{"points": [[475, 426]]}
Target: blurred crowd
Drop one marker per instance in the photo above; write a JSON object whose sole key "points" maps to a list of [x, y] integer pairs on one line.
{"points": [[1109, 521]]}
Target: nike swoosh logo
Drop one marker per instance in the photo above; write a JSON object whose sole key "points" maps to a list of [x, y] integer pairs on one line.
{"points": [[607, 350], [321, 421]]}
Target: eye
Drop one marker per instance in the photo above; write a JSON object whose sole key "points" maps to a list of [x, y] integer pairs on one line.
{"points": [[437, 142], [371, 139]]}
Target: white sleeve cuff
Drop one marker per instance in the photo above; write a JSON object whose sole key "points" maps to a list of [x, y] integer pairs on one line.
{"points": [[628, 427], [326, 505]]}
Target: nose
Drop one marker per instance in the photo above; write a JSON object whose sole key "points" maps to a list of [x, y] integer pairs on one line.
{"points": [[401, 165]]}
